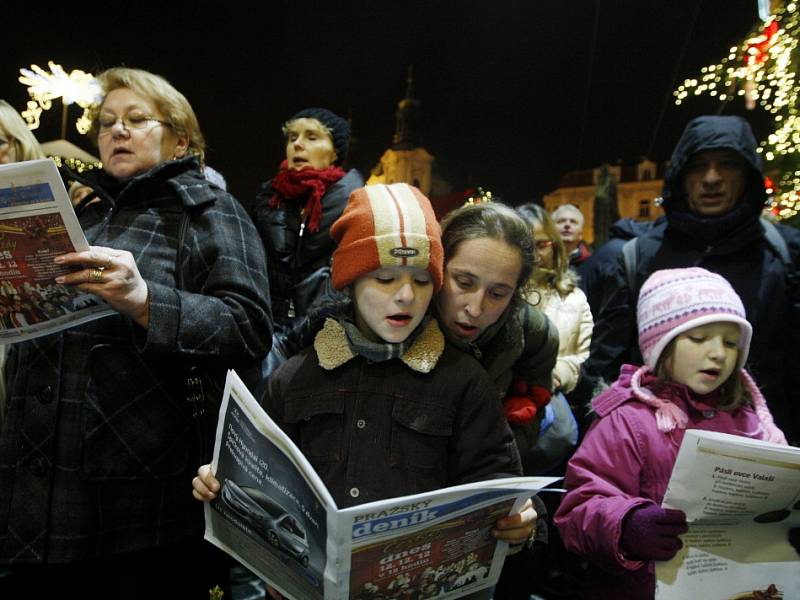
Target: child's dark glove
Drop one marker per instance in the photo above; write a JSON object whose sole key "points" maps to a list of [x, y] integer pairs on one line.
{"points": [[651, 533]]}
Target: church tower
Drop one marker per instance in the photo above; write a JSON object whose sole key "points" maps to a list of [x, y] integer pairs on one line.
{"points": [[406, 161]]}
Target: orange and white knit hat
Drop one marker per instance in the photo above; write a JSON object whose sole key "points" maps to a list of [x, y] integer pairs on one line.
{"points": [[386, 226]]}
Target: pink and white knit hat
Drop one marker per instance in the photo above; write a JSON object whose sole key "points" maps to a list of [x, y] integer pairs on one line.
{"points": [[673, 301]]}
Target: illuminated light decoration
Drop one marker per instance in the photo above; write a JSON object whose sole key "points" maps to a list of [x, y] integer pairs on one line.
{"points": [[478, 196], [76, 164], [763, 71], [43, 87]]}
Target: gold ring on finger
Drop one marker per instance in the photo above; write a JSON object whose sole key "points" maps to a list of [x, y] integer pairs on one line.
{"points": [[96, 275]]}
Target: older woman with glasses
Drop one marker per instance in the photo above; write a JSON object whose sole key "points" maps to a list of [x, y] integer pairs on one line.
{"points": [[100, 439]]}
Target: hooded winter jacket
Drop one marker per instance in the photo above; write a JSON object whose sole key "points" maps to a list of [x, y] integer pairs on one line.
{"points": [[733, 245], [625, 462]]}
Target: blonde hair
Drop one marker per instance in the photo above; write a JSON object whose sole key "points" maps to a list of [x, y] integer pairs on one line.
{"points": [[14, 126], [170, 102], [561, 278], [324, 128], [732, 389]]}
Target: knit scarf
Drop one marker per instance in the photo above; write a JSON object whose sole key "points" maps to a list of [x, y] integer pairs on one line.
{"points": [[291, 184], [378, 351]]}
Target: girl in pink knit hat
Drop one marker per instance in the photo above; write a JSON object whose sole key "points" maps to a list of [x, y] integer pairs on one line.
{"points": [[694, 337]]}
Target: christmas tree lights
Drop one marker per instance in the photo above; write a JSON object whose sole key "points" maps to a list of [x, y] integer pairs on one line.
{"points": [[763, 71]]}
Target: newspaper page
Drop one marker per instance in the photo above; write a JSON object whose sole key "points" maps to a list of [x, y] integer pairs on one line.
{"points": [[271, 511], [275, 516], [741, 497], [434, 545], [37, 223]]}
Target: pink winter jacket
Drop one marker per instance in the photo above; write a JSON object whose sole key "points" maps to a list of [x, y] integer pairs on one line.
{"points": [[625, 462]]}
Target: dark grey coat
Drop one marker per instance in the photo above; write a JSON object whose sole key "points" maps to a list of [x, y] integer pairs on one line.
{"points": [[98, 447]]}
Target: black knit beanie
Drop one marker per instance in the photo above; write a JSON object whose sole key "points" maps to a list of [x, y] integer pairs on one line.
{"points": [[339, 128]]}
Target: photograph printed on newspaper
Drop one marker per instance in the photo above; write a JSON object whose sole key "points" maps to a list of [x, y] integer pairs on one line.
{"points": [[37, 223]]}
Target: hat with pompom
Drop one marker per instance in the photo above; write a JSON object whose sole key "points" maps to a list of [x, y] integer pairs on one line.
{"points": [[673, 301]]}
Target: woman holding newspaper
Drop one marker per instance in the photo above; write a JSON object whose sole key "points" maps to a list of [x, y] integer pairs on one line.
{"points": [[99, 433], [694, 338]]}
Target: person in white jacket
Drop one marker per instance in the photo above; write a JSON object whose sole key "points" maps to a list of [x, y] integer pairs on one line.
{"points": [[553, 288]]}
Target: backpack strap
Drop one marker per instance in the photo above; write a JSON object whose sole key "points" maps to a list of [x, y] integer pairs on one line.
{"points": [[630, 260], [776, 242]]}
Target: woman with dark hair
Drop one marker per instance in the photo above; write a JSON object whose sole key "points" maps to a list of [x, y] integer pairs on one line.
{"points": [[99, 431], [489, 257]]}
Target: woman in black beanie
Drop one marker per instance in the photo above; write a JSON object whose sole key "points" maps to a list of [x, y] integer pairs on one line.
{"points": [[294, 211]]}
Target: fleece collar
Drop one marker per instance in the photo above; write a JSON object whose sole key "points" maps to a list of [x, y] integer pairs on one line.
{"points": [[333, 349]]}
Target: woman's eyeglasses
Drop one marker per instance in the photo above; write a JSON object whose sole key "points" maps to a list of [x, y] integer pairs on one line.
{"points": [[130, 122]]}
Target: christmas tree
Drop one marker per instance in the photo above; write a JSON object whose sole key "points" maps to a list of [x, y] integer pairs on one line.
{"points": [[762, 71]]}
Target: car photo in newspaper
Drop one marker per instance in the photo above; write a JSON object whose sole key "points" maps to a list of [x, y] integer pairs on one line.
{"points": [[275, 516], [270, 513], [37, 223], [741, 496]]}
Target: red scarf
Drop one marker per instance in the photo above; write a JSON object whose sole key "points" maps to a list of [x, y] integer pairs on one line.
{"points": [[291, 184]]}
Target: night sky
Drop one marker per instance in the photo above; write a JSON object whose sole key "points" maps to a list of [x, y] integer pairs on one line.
{"points": [[503, 84]]}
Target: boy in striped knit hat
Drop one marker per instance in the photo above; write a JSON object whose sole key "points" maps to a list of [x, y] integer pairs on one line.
{"points": [[381, 405], [694, 337]]}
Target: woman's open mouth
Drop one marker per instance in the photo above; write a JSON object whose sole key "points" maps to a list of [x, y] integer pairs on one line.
{"points": [[466, 330]]}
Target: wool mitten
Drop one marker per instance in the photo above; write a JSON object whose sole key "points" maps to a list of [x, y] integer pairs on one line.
{"points": [[522, 406], [651, 533]]}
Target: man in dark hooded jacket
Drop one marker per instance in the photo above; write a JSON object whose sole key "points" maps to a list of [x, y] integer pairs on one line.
{"points": [[605, 257], [713, 198]]}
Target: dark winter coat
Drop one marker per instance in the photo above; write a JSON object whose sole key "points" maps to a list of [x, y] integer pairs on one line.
{"points": [[522, 344], [99, 446], [732, 245], [374, 430], [592, 270], [299, 259]]}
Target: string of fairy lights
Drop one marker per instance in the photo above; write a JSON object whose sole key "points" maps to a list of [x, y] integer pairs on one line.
{"points": [[763, 72]]}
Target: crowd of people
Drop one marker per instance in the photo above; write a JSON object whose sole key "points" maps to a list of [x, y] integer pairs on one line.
{"points": [[470, 349]]}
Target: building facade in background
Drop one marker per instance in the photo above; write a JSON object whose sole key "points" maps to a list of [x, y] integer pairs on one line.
{"points": [[638, 186]]}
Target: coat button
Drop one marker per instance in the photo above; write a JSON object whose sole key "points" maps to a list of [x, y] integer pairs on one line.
{"points": [[361, 423], [45, 395], [709, 413], [39, 466], [354, 492]]}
